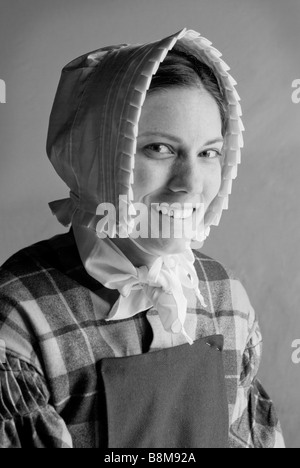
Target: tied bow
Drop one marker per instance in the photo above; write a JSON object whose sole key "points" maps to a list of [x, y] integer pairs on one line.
{"points": [[141, 288], [160, 287]]}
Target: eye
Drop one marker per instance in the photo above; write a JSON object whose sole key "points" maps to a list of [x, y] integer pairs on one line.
{"points": [[160, 148], [211, 154]]}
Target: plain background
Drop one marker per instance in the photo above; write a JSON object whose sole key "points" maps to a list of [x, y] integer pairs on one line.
{"points": [[259, 236]]}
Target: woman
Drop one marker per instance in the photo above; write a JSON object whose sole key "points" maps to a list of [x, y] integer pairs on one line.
{"points": [[118, 334]]}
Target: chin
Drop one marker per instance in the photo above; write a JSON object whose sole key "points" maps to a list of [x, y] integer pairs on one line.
{"points": [[165, 246]]}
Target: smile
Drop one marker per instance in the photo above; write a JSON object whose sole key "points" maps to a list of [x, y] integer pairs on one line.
{"points": [[175, 213]]}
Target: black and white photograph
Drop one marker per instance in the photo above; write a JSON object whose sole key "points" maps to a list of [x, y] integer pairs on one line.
{"points": [[149, 226]]}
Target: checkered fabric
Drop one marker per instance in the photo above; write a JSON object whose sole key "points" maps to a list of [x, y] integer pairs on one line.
{"points": [[53, 336]]}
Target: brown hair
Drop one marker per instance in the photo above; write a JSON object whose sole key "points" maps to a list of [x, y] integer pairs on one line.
{"points": [[180, 69]]}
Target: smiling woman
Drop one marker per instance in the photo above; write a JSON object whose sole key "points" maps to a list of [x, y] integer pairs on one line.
{"points": [[174, 161], [125, 342]]}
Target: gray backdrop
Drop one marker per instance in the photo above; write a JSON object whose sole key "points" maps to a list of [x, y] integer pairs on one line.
{"points": [[259, 235]]}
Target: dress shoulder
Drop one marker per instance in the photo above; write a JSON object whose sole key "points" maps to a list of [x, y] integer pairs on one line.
{"points": [[229, 298], [33, 269], [214, 270], [33, 283]]}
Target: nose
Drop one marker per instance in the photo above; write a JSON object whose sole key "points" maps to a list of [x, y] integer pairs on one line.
{"points": [[186, 177]]}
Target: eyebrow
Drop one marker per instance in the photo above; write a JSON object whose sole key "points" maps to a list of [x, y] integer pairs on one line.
{"points": [[176, 139]]}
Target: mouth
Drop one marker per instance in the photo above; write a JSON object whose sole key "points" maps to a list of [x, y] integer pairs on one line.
{"points": [[166, 210]]}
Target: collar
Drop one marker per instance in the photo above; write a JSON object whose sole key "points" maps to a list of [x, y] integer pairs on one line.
{"points": [[160, 287]]}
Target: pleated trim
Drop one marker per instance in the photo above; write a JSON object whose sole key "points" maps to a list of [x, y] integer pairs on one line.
{"points": [[156, 55], [203, 49]]}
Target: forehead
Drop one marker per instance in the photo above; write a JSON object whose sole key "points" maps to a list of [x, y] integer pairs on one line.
{"points": [[186, 112]]}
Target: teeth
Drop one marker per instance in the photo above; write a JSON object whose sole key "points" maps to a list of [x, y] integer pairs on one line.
{"points": [[183, 214]]}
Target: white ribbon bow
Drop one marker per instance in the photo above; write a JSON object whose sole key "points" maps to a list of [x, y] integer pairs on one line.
{"points": [[141, 288], [161, 287]]}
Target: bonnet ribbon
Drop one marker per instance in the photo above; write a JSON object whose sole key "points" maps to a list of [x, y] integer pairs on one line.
{"points": [[64, 209], [160, 286]]}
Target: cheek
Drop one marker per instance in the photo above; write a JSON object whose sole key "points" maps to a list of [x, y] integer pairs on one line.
{"points": [[213, 182], [147, 179]]}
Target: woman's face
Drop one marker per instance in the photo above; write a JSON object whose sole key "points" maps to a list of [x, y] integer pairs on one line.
{"points": [[178, 158]]}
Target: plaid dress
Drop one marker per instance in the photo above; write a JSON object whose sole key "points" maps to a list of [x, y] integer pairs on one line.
{"points": [[53, 336]]}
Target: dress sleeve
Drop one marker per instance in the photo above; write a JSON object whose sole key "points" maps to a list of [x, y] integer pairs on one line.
{"points": [[27, 419], [254, 423]]}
